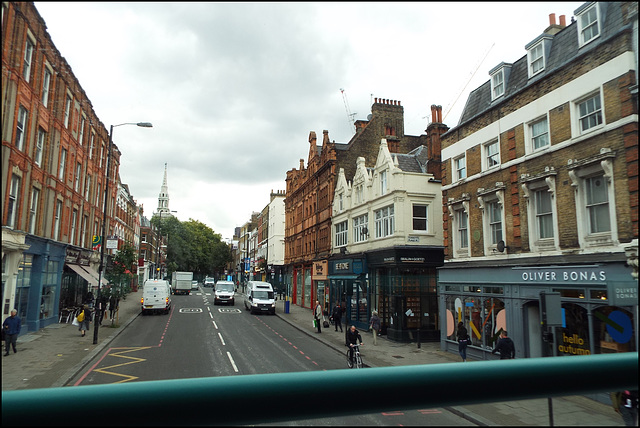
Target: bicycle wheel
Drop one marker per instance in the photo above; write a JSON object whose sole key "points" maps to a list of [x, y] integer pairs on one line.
{"points": [[359, 362], [349, 361]]}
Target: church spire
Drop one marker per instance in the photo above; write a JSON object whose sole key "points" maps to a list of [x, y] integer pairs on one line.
{"points": [[163, 197]]}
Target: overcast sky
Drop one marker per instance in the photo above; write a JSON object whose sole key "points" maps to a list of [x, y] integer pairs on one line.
{"points": [[233, 89]]}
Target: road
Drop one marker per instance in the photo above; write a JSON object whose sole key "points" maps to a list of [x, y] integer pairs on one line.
{"points": [[199, 339]]}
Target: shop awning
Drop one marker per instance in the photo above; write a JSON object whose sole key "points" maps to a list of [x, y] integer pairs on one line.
{"points": [[95, 275], [84, 274]]}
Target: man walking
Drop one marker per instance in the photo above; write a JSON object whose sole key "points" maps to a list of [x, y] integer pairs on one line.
{"points": [[337, 316], [11, 327], [317, 315], [505, 346]]}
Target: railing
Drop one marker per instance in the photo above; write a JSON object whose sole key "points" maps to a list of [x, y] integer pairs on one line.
{"points": [[250, 399]]}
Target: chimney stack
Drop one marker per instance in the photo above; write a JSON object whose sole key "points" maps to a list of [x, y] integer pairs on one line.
{"points": [[439, 110], [563, 21], [552, 19]]}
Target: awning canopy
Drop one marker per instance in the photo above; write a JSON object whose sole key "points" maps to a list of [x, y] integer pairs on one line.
{"points": [[84, 274], [94, 275]]}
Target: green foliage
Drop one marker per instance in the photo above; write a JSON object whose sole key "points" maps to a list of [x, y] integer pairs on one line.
{"points": [[192, 246], [118, 272]]}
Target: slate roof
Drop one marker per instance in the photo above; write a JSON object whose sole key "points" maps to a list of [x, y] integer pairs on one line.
{"points": [[564, 50], [414, 161]]}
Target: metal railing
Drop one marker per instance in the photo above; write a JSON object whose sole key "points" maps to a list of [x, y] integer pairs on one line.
{"points": [[250, 399]]}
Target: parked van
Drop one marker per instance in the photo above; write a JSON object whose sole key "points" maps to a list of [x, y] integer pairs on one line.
{"points": [[260, 297], [224, 292], [156, 296]]}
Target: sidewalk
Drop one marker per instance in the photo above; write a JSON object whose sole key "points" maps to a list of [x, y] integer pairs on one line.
{"points": [[52, 356]]}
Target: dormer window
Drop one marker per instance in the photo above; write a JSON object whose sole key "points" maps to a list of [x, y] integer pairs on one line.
{"points": [[588, 23], [537, 52], [499, 77]]}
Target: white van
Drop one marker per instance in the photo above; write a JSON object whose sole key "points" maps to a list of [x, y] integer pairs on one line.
{"points": [[260, 297], [156, 296], [224, 292]]}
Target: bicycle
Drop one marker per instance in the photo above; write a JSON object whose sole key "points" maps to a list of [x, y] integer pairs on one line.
{"points": [[356, 356]]}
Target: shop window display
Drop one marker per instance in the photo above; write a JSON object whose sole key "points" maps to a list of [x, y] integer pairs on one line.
{"points": [[573, 339], [613, 330], [483, 317]]}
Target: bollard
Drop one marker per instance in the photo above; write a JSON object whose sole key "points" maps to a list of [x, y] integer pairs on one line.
{"points": [[286, 306]]}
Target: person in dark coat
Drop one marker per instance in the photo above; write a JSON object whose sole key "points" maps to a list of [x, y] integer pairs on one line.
{"points": [[337, 316], [505, 346], [114, 302], [463, 341], [353, 337], [11, 327]]}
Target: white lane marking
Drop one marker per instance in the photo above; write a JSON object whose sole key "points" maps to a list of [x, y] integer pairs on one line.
{"points": [[221, 339], [214, 324], [232, 362]]}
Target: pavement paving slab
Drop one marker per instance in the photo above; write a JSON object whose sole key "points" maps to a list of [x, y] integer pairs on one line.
{"points": [[54, 355]]}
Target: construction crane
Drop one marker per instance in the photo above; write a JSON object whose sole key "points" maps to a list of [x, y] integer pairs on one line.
{"points": [[350, 115], [450, 106]]}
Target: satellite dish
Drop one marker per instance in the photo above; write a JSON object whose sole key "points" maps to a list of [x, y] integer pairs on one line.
{"points": [[501, 246]]}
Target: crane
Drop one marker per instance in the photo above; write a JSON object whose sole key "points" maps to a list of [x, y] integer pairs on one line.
{"points": [[350, 115]]}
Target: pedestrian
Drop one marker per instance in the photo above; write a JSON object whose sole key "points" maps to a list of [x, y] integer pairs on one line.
{"points": [[11, 327], [114, 302], [625, 403], [374, 325], [317, 315], [85, 315], [463, 341], [88, 299], [337, 316], [505, 346], [101, 308]]}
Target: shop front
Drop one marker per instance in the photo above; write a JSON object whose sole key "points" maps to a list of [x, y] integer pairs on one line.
{"points": [[598, 307], [301, 293], [403, 283], [76, 281], [320, 286], [348, 285]]}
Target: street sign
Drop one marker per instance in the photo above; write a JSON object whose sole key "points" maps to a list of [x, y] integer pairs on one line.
{"points": [[112, 243]]}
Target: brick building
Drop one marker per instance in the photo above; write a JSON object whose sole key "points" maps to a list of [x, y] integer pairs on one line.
{"points": [[54, 160], [540, 193], [310, 192]]}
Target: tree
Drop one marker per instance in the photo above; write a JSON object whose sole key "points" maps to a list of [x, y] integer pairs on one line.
{"points": [[119, 273]]}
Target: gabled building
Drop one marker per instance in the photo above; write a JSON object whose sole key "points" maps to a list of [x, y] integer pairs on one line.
{"points": [[387, 244], [540, 194], [310, 191]]}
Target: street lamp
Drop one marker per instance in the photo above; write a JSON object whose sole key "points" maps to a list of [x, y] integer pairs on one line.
{"points": [[104, 221]]}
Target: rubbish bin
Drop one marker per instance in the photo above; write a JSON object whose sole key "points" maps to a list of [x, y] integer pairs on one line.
{"points": [[286, 306]]}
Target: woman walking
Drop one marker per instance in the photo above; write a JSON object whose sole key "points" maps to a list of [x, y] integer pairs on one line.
{"points": [[463, 341], [84, 318], [374, 324]]}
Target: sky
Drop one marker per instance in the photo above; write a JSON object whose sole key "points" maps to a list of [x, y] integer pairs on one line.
{"points": [[234, 89]]}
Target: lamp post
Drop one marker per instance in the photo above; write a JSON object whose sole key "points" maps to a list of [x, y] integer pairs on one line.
{"points": [[104, 221]]}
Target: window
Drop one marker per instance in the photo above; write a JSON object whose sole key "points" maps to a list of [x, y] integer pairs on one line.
{"points": [[460, 167], [76, 186], [341, 202], [497, 84], [539, 134], [590, 113], [56, 221], [83, 231], [383, 182], [39, 146], [588, 24], [544, 214], [495, 221], [74, 220], [597, 204], [67, 111], [341, 234], [359, 194], [91, 146], [360, 229], [98, 196], [33, 210], [101, 154], [14, 201], [536, 59], [384, 222], [21, 127], [492, 154], [46, 84], [420, 217], [87, 187], [81, 131], [63, 161], [462, 224], [28, 56]]}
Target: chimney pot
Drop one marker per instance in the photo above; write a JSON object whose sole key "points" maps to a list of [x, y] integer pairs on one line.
{"points": [[563, 21], [552, 19]]}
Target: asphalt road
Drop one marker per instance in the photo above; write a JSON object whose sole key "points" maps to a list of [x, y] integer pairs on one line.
{"points": [[200, 339]]}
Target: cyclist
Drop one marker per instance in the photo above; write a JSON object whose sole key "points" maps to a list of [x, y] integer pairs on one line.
{"points": [[353, 337]]}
